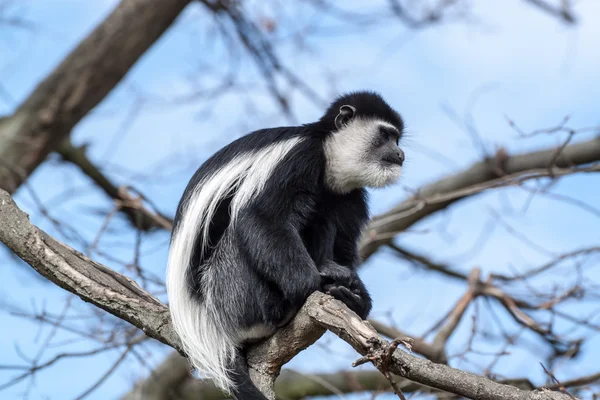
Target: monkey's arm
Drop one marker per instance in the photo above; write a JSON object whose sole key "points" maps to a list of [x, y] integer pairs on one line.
{"points": [[274, 248], [338, 271], [339, 277]]}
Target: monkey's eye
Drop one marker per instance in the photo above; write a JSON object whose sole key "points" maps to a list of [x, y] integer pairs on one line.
{"points": [[389, 133]]}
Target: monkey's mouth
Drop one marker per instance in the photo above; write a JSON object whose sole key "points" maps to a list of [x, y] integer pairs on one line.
{"points": [[391, 161]]}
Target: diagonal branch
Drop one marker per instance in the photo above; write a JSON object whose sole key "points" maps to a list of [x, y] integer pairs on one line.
{"points": [[76, 273], [78, 84], [336, 317], [432, 198], [140, 217], [562, 12], [483, 175], [427, 263], [121, 297]]}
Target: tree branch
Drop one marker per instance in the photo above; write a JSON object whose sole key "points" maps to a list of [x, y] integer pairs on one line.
{"points": [[172, 379], [418, 345], [140, 216], [448, 190], [76, 273], [562, 12], [78, 84], [336, 317], [120, 296]]}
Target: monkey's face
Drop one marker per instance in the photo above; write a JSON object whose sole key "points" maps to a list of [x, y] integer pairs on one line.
{"points": [[363, 152]]}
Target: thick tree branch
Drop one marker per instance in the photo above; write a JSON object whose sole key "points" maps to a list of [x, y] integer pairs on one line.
{"points": [[337, 318], [76, 273], [482, 175], [121, 297], [172, 380], [78, 84]]}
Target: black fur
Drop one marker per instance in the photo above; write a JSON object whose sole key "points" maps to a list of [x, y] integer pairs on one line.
{"points": [[367, 104], [294, 238], [244, 388]]}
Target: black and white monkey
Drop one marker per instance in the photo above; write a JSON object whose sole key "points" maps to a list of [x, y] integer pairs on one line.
{"points": [[269, 219]]}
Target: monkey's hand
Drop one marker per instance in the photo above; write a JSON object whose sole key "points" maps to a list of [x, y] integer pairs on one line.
{"points": [[333, 273], [344, 284]]}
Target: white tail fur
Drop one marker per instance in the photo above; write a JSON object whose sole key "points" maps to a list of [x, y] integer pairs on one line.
{"points": [[209, 346]]}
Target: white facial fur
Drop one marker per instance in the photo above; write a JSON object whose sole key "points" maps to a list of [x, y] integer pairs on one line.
{"points": [[350, 164]]}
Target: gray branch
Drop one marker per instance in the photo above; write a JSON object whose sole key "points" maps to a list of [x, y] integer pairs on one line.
{"points": [[122, 297], [384, 227], [336, 317], [78, 84], [76, 273], [171, 380]]}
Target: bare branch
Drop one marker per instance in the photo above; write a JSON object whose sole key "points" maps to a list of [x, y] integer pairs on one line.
{"points": [[121, 297], [336, 317], [418, 345], [427, 263], [76, 273], [140, 216], [79, 83], [483, 175], [172, 379], [562, 12], [455, 316]]}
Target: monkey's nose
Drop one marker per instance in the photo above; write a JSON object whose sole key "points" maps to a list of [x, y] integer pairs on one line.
{"points": [[401, 156]]}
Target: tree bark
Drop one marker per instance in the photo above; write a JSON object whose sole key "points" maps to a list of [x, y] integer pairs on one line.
{"points": [[172, 380], [336, 317], [120, 296], [78, 84]]}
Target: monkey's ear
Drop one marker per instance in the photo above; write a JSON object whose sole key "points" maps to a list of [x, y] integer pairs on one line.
{"points": [[345, 115]]}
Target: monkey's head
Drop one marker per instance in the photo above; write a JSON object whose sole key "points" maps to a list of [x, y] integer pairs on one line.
{"points": [[362, 143]]}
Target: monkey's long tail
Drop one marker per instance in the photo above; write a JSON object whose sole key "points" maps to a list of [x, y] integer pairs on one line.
{"points": [[243, 388]]}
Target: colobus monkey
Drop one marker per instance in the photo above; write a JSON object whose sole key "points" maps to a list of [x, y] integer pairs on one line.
{"points": [[269, 219]]}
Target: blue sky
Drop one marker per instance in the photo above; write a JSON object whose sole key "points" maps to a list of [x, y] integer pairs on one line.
{"points": [[513, 61]]}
